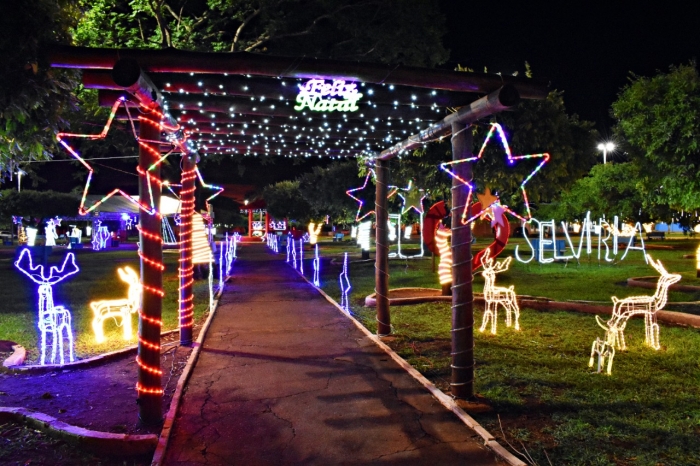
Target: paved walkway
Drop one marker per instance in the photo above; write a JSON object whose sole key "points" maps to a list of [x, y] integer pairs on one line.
{"points": [[285, 378]]}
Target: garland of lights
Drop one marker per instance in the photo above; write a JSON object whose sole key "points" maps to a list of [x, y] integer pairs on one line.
{"points": [[495, 296], [442, 236], [118, 309], [345, 287], [468, 215], [54, 320]]}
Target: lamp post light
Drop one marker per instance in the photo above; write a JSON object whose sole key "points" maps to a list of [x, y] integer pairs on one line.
{"points": [[605, 147]]}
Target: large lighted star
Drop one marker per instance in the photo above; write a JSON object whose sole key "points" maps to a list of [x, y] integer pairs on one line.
{"points": [[358, 216], [495, 127], [152, 209], [412, 198]]}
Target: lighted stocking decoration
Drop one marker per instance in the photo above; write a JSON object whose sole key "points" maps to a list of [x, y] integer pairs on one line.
{"points": [[495, 296], [53, 320], [433, 218], [119, 310]]}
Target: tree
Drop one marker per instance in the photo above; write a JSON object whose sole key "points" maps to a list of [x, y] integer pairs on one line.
{"points": [[389, 31], [285, 200], [36, 204], [659, 120], [34, 99], [325, 191]]}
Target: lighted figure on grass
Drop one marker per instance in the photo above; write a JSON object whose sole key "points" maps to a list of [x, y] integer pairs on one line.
{"points": [[317, 267], [442, 237], [100, 237], [314, 231], [625, 308], [294, 253], [495, 296], [392, 226], [344, 285], [50, 231], [31, 236], [412, 200], [289, 246], [359, 216], [53, 320], [363, 235], [301, 256], [119, 310]]}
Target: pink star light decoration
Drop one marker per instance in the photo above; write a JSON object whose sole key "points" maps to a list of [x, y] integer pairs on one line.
{"points": [[358, 216], [468, 216]]}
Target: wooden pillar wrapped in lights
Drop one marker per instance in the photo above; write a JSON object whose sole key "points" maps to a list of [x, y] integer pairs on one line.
{"points": [[185, 269], [382, 250], [150, 391], [462, 382]]}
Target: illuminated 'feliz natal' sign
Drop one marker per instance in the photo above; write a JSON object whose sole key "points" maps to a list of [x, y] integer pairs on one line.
{"points": [[608, 239], [320, 96]]}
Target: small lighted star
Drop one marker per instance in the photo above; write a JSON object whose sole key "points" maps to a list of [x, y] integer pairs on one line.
{"points": [[358, 216], [495, 127]]}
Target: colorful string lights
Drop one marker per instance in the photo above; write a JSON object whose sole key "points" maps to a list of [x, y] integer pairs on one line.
{"points": [[468, 215], [53, 320], [118, 309], [495, 296], [358, 216], [442, 236]]}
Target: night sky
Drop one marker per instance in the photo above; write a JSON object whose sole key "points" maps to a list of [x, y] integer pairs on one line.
{"points": [[584, 48]]}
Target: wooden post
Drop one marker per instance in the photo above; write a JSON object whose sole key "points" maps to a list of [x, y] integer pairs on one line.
{"points": [[462, 383], [185, 270], [381, 268], [150, 391]]}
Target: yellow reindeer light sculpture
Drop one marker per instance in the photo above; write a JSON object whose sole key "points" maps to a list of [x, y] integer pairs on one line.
{"points": [[495, 296], [625, 308], [314, 231], [118, 308]]}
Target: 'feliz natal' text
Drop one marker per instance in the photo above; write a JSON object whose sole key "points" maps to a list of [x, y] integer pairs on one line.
{"points": [[608, 240], [318, 96]]}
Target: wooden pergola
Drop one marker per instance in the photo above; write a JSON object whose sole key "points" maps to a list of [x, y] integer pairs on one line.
{"points": [[242, 103]]}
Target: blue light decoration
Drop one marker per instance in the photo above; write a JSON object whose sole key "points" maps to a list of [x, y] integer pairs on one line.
{"points": [[319, 96], [469, 215], [230, 251], [221, 266], [54, 320], [359, 216], [317, 268], [294, 254], [100, 237], [168, 234], [344, 286], [289, 240], [301, 256]]}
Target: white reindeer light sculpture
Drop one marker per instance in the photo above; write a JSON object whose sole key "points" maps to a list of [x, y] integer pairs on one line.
{"points": [[625, 308], [495, 296], [54, 320], [118, 308]]}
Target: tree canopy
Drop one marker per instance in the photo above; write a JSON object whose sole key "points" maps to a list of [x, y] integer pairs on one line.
{"points": [[32, 204], [658, 120]]}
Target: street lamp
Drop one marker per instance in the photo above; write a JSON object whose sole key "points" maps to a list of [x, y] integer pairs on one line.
{"points": [[605, 147]]}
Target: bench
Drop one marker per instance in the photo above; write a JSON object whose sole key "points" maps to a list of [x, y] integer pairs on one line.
{"points": [[656, 235], [338, 237], [560, 244]]}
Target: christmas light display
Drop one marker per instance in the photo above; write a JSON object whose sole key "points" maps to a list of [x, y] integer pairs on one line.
{"points": [[100, 236], [294, 253], [647, 306], [345, 287], [258, 228], [442, 236], [119, 310], [168, 234], [353, 231], [317, 267], [301, 256], [289, 245], [314, 231], [277, 225], [50, 231], [53, 320], [201, 249], [21, 233], [608, 240], [359, 216], [392, 226], [603, 349], [495, 296], [407, 233], [319, 96], [150, 208], [468, 215], [230, 252], [363, 235], [222, 249], [31, 236]]}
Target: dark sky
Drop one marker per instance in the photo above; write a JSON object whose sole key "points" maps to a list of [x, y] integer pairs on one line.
{"points": [[584, 48]]}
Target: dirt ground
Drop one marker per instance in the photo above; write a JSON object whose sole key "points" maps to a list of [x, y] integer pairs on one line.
{"points": [[101, 398]]}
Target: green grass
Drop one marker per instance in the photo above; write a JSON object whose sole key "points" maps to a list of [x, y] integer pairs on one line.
{"points": [[96, 280], [538, 381]]}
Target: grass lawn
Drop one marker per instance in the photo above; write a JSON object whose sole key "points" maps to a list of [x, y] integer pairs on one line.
{"points": [[547, 400], [96, 280]]}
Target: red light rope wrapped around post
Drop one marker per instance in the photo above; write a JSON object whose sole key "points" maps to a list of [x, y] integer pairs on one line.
{"points": [[186, 271], [150, 391]]}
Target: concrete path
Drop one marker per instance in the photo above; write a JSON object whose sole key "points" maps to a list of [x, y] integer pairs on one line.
{"points": [[285, 378]]}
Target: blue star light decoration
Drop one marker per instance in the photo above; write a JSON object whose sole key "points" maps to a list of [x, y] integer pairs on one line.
{"points": [[467, 215], [358, 216]]}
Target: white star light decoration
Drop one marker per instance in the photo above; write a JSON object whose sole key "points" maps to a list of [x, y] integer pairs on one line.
{"points": [[468, 216]]}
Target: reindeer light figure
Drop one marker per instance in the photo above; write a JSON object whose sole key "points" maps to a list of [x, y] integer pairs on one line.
{"points": [[118, 308], [625, 308], [54, 320], [604, 349], [495, 296]]}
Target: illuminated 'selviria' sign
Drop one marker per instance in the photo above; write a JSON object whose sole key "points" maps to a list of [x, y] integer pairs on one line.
{"points": [[320, 96], [608, 239]]}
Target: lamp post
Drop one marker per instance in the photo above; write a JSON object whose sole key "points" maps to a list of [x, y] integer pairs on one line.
{"points": [[605, 147]]}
